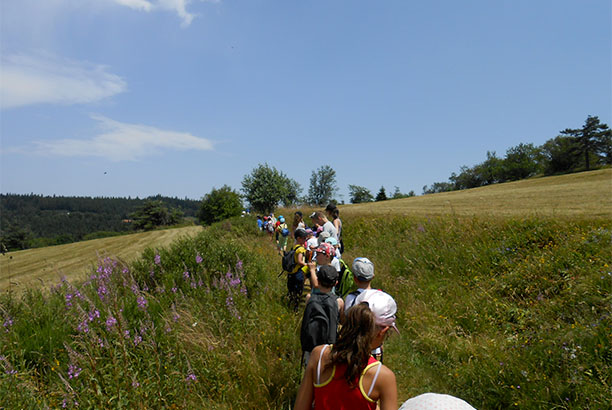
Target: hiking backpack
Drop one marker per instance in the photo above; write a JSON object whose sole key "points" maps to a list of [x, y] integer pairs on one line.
{"points": [[345, 280], [320, 321], [288, 262]]}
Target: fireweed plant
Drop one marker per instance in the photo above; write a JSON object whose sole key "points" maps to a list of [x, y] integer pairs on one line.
{"points": [[504, 313], [175, 329]]}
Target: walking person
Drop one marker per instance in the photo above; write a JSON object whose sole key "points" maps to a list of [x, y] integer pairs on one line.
{"points": [[298, 221], [321, 220], [333, 213], [344, 376], [321, 315], [282, 235], [295, 275]]}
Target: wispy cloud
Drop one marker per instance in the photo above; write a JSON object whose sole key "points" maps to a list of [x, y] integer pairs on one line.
{"points": [[119, 141], [177, 6], [45, 78], [136, 4]]}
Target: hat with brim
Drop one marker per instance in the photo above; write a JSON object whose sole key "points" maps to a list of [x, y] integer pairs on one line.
{"points": [[381, 304]]}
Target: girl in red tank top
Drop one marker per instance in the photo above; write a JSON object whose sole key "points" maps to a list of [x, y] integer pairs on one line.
{"points": [[344, 375]]}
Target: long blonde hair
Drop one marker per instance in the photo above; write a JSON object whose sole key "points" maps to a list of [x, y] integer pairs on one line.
{"points": [[353, 345]]}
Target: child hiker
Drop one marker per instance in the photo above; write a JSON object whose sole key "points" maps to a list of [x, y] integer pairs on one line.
{"points": [[344, 376]]}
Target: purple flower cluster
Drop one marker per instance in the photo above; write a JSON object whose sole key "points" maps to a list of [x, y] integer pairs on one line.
{"points": [[110, 323], [191, 377], [73, 371], [83, 327], [8, 322], [199, 258], [93, 314], [157, 259], [142, 302]]}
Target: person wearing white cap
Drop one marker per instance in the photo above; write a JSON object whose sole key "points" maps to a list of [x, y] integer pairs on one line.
{"points": [[344, 375]]}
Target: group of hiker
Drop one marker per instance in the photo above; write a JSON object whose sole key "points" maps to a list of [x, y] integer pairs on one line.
{"points": [[344, 322]]}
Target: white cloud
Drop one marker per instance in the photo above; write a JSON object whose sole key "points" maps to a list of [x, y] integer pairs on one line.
{"points": [[177, 6], [45, 78], [136, 4], [122, 142]]}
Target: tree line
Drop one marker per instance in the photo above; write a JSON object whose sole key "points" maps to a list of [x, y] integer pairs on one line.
{"points": [[36, 220], [28, 221], [573, 150], [265, 188]]}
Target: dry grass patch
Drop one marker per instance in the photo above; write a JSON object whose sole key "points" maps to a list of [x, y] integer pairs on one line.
{"points": [[41, 267], [584, 194]]}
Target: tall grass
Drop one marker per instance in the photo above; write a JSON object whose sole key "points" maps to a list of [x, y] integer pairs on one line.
{"points": [[512, 313]]}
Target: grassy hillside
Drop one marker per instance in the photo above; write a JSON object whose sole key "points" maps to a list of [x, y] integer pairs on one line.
{"points": [[584, 194], [41, 267], [511, 312]]}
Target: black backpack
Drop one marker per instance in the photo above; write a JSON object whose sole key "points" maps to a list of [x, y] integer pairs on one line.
{"points": [[288, 262], [320, 321]]}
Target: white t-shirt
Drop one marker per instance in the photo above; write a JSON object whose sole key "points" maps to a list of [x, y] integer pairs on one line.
{"points": [[331, 229], [349, 300]]}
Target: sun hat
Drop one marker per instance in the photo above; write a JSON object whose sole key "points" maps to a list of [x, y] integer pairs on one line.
{"points": [[435, 401], [332, 241], [300, 233], [327, 275], [326, 249], [381, 304], [363, 269]]}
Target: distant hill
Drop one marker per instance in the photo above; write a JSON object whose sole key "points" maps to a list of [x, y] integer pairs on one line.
{"points": [[53, 220], [584, 194]]}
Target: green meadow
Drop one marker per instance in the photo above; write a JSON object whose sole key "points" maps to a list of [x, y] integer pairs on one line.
{"points": [[505, 310]]}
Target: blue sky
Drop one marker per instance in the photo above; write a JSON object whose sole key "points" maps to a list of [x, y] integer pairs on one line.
{"points": [[140, 97]]}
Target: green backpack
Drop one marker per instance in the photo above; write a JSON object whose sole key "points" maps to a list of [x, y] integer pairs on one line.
{"points": [[346, 284]]}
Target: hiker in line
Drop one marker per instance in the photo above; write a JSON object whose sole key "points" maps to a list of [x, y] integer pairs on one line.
{"points": [[322, 313], [344, 375], [282, 235], [271, 226], [295, 277], [333, 242], [334, 214], [363, 273], [259, 222], [324, 256], [298, 221], [311, 241], [321, 220]]}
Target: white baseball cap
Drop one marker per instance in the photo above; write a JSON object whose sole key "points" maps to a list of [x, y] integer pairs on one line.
{"points": [[381, 304]]}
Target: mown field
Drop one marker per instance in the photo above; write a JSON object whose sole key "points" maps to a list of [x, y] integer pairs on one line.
{"points": [[579, 195], [44, 266], [502, 311]]}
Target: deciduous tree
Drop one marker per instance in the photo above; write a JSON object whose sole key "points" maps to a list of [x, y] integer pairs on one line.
{"points": [[266, 187], [322, 185], [220, 204], [359, 194]]}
